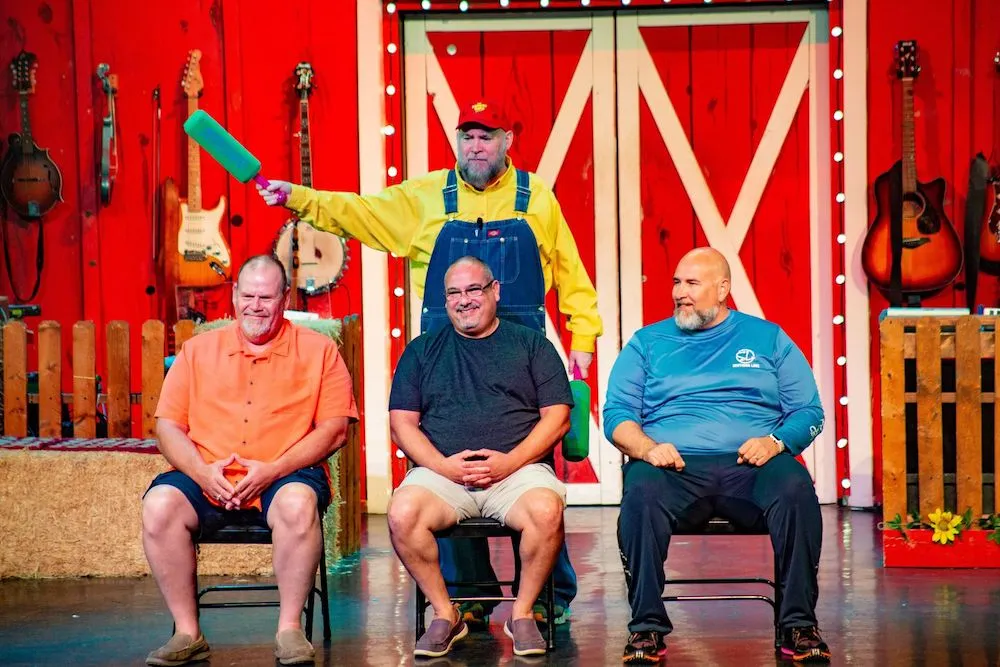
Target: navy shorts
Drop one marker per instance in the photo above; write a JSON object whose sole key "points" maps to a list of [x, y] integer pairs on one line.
{"points": [[211, 517]]}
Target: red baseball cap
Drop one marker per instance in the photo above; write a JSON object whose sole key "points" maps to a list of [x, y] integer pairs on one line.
{"points": [[483, 112]]}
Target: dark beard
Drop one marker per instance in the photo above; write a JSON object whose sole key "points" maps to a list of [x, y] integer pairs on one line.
{"points": [[480, 182]]}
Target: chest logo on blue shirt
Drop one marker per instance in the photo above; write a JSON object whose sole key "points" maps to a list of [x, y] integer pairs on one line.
{"points": [[745, 358]]}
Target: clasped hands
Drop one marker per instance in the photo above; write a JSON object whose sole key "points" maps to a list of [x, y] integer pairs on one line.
{"points": [[259, 476], [755, 451], [479, 468]]}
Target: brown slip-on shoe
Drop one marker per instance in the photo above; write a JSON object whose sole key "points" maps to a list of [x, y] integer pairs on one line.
{"points": [[292, 648], [527, 639], [180, 650]]}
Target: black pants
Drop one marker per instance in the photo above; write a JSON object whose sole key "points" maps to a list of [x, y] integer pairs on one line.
{"points": [[779, 494]]}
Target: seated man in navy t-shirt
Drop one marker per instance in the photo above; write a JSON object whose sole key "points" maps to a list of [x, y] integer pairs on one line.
{"points": [[478, 407], [712, 406]]}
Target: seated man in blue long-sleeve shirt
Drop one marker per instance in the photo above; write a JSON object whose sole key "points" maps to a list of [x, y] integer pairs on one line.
{"points": [[711, 406]]}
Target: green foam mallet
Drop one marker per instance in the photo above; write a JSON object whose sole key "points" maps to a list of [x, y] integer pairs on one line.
{"points": [[228, 152], [576, 443]]}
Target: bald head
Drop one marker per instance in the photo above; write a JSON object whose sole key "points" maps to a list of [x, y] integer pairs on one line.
{"points": [[708, 260], [701, 287]]}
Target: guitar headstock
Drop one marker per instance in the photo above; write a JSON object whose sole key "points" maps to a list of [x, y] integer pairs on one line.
{"points": [[192, 83], [304, 75], [109, 82], [23, 67], [906, 59]]}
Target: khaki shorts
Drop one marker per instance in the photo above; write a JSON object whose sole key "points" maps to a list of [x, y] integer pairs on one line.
{"points": [[493, 502]]}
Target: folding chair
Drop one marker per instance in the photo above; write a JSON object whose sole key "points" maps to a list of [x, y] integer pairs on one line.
{"points": [[480, 527], [718, 526], [238, 533]]}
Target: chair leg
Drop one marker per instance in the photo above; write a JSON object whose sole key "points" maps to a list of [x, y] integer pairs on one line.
{"points": [[420, 603], [550, 603], [324, 594], [777, 605], [309, 610]]}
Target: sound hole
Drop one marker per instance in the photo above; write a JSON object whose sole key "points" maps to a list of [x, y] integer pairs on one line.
{"points": [[914, 207]]}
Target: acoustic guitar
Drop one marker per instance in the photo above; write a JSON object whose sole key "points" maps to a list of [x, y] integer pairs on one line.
{"points": [[931, 255], [29, 180], [989, 239], [315, 260], [204, 253], [109, 133]]}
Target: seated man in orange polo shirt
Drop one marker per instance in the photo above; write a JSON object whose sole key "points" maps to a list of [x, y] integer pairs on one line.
{"points": [[247, 417]]}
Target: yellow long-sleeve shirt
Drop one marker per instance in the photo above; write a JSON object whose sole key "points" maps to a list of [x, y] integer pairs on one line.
{"points": [[406, 218]]}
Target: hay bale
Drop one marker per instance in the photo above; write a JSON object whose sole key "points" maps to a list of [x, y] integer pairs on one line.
{"points": [[73, 514]]}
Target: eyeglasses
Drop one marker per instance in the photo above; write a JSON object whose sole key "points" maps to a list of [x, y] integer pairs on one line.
{"points": [[473, 292]]}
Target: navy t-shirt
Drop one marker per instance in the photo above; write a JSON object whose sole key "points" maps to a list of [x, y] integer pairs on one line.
{"points": [[475, 393]]}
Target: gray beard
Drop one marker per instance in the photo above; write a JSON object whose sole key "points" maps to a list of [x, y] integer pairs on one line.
{"points": [[480, 180], [697, 320]]}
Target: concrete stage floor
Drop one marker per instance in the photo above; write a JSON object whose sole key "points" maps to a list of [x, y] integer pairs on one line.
{"points": [[868, 615]]}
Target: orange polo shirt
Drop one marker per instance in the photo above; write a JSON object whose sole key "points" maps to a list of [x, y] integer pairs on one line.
{"points": [[256, 405]]}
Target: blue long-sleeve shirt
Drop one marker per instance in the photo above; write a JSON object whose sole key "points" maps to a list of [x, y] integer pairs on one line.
{"points": [[708, 391]]}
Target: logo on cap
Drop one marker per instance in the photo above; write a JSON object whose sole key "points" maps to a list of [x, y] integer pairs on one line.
{"points": [[479, 107]]}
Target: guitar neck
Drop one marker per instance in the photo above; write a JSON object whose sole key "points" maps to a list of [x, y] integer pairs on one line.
{"points": [[25, 125], [305, 151], [194, 165], [909, 142]]}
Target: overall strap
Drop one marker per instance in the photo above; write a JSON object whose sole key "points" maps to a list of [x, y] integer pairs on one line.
{"points": [[450, 194], [523, 192]]}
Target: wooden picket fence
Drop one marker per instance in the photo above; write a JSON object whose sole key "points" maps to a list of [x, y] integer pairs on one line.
{"points": [[962, 343], [118, 397]]}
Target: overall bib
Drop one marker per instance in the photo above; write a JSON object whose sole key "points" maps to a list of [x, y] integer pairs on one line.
{"points": [[510, 249]]}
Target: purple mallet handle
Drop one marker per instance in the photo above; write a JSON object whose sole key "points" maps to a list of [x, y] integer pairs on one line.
{"points": [[263, 182]]}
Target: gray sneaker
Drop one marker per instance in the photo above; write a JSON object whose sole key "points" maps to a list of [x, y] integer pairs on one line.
{"points": [[439, 638], [527, 639]]}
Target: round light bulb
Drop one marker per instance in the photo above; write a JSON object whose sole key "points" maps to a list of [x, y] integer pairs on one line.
{"points": [[390, 47], [838, 115], [846, 483], [391, 8], [841, 239], [838, 319], [398, 291], [451, 49], [388, 130], [396, 332], [425, 4], [841, 279], [585, 3], [390, 89], [837, 31], [463, 6], [504, 3], [392, 171], [841, 197], [543, 3], [841, 361], [838, 74], [843, 400], [400, 454], [838, 157], [842, 443]]}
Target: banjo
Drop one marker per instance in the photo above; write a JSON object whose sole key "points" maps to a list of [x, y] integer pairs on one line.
{"points": [[315, 260]]}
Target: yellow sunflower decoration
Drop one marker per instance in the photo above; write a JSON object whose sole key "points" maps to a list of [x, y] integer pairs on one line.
{"points": [[945, 526]]}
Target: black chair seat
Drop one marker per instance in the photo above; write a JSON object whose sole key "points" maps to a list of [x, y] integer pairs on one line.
{"points": [[721, 526], [483, 527], [245, 531]]}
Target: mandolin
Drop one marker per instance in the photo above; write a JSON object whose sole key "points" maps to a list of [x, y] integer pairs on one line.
{"points": [[109, 133], [204, 254], [29, 180], [931, 253], [989, 239], [315, 260]]}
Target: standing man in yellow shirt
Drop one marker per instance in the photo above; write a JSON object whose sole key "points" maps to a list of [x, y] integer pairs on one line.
{"points": [[487, 208]]}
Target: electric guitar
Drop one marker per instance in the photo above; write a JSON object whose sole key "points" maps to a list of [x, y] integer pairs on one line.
{"points": [[314, 260], [109, 133], [989, 239], [30, 181], [204, 253], [931, 256]]}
